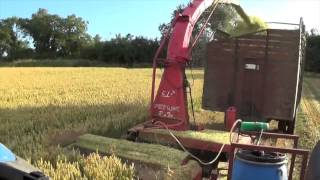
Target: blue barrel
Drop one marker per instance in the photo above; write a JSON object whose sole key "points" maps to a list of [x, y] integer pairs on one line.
{"points": [[257, 165]]}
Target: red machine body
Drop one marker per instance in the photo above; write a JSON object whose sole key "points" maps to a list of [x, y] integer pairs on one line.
{"points": [[170, 103]]}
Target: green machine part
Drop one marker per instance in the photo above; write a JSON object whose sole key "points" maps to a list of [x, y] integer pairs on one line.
{"points": [[254, 126]]}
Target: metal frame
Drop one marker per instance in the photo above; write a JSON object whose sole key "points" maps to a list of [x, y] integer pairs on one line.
{"points": [[293, 151], [142, 132]]}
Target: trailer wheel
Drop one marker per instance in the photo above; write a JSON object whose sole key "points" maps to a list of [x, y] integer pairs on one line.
{"points": [[282, 126], [131, 136], [291, 126]]}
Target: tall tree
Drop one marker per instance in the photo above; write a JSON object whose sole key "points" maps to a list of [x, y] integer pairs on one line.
{"points": [[53, 35], [10, 44], [45, 29], [5, 39], [74, 35], [313, 52]]}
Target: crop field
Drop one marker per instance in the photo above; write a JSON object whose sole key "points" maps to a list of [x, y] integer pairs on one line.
{"points": [[44, 109]]}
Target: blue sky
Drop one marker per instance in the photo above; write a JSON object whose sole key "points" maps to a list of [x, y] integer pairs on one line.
{"points": [[142, 17]]}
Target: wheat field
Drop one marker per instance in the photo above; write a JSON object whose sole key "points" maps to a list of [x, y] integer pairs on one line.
{"points": [[43, 110]]}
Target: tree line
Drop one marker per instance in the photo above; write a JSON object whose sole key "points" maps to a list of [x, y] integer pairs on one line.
{"points": [[49, 36], [313, 51]]}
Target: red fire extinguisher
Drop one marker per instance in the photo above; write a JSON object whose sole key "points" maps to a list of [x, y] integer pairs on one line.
{"points": [[230, 117]]}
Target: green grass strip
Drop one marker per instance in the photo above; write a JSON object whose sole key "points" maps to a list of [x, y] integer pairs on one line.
{"points": [[142, 152], [167, 159]]}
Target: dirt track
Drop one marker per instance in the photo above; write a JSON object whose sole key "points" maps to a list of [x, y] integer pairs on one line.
{"points": [[310, 107], [310, 103]]}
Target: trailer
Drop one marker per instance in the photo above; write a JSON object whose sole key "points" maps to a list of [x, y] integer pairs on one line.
{"points": [[259, 73]]}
